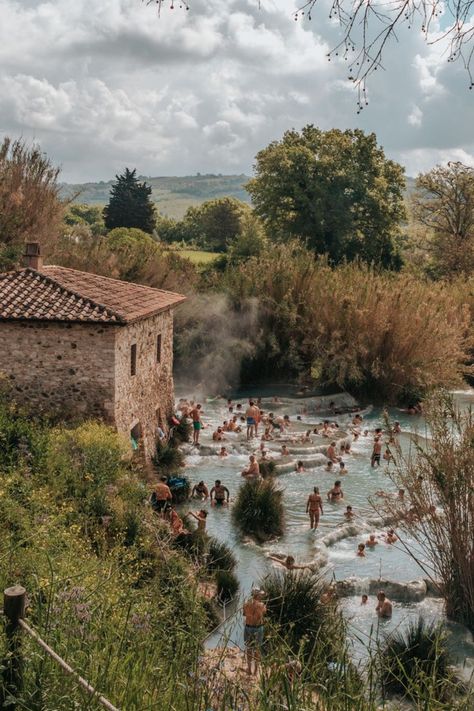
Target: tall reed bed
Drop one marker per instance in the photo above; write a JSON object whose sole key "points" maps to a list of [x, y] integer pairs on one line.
{"points": [[391, 336]]}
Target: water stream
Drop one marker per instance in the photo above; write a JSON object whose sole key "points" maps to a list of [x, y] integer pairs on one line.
{"points": [[360, 484]]}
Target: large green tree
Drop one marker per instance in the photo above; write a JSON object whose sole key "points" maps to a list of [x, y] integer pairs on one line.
{"points": [[130, 204], [443, 204], [334, 189], [216, 223]]}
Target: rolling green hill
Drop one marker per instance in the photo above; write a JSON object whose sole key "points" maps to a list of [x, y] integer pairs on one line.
{"points": [[172, 195]]}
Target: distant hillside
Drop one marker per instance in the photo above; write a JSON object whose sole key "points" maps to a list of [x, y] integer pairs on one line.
{"points": [[172, 195]]}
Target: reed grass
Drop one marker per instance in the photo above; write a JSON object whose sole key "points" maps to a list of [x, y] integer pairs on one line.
{"points": [[258, 510]]}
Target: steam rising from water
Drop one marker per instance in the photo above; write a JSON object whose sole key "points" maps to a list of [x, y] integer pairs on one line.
{"points": [[212, 339]]}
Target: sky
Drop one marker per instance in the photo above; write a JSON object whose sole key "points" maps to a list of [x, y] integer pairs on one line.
{"points": [[104, 84]]}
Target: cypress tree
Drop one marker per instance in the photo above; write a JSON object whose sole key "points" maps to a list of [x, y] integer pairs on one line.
{"points": [[130, 204]]}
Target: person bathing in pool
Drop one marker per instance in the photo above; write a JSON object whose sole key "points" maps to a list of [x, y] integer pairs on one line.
{"points": [[288, 562], [336, 494]]}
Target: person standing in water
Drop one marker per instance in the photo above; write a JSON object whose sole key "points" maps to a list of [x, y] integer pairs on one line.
{"points": [[336, 494], [254, 612], [252, 414], [197, 423], [384, 606], [314, 507], [376, 452]]}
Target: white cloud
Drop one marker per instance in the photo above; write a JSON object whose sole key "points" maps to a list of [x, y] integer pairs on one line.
{"points": [[105, 84]]}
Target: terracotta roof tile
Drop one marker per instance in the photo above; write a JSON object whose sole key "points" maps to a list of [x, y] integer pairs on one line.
{"points": [[60, 294]]}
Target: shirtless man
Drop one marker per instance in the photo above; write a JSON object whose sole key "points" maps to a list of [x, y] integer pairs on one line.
{"points": [[252, 414], [329, 467], [218, 435], [331, 453], [219, 494], [391, 536], [288, 562], [376, 452], [371, 542], [384, 606], [335, 494], [163, 494], [200, 491], [253, 469], [223, 452], [254, 611], [314, 506], [197, 423]]}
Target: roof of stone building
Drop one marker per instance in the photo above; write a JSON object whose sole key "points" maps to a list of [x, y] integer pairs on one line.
{"points": [[60, 294]]}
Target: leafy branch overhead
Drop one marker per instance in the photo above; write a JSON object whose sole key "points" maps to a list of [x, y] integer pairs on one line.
{"points": [[368, 26]]}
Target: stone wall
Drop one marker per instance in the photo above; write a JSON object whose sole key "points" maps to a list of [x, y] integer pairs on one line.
{"points": [[142, 397], [59, 368]]}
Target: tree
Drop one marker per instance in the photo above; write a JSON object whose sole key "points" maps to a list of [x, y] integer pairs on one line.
{"points": [[85, 215], [130, 204], [216, 223], [444, 204], [334, 189], [30, 206]]}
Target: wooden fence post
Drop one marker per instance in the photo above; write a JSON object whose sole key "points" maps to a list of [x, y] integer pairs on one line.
{"points": [[14, 601]]}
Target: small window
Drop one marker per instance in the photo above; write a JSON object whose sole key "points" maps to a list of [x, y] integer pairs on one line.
{"points": [[133, 359], [158, 348]]}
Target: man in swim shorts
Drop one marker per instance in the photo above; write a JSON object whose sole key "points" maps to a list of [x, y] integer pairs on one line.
{"points": [[376, 452], [314, 506], [163, 495], [254, 611], [252, 414], [197, 423], [219, 494]]}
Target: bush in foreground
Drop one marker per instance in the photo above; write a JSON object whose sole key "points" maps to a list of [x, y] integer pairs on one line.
{"points": [[416, 662], [258, 510], [220, 556], [227, 585]]}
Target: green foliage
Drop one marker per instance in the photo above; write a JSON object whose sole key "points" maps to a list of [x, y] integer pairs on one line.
{"points": [[378, 334], [23, 440], [258, 510], [215, 224], [227, 585], [443, 205], [310, 623], [130, 204], [220, 556], [415, 662], [168, 459], [86, 215], [181, 432], [334, 189]]}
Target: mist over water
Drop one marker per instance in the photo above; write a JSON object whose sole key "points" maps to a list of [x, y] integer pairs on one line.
{"points": [[212, 339]]}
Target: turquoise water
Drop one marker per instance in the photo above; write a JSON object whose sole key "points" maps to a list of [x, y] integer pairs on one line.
{"points": [[359, 485]]}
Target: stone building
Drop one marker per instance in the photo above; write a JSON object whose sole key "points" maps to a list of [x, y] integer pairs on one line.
{"points": [[78, 345]]}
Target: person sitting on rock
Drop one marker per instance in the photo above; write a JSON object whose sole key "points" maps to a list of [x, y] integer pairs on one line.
{"points": [[253, 469]]}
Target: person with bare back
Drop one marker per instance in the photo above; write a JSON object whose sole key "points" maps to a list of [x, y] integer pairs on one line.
{"points": [[197, 423], [314, 507], [254, 612], [253, 415]]}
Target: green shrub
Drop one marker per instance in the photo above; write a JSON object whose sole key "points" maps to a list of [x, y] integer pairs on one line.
{"points": [[307, 621], [220, 556], [23, 439], [267, 468], [416, 662], [258, 510], [181, 433], [227, 585], [167, 458]]}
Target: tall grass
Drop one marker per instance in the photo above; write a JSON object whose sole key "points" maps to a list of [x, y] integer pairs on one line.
{"points": [[385, 335], [416, 662], [438, 478], [258, 510]]}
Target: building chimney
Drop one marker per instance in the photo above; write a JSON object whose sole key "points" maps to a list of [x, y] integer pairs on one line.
{"points": [[32, 257]]}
